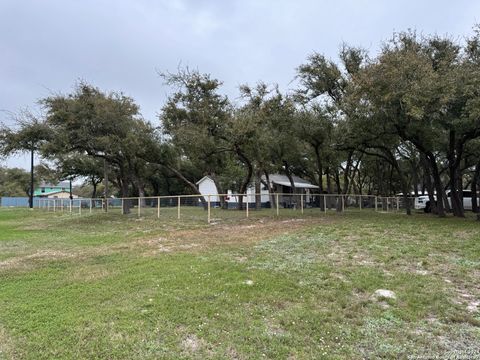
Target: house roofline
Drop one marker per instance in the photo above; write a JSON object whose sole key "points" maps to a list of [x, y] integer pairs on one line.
{"points": [[203, 179]]}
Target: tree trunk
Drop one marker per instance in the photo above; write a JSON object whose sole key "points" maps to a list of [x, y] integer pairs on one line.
{"points": [[124, 192], [475, 181], [453, 164], [337, 181], [329, 190], [258, 190], [94, 192], [247, 178], [190, 184], [220, 191], [403, 183], [319, 168], [437, 183], [293, 198], [137, 183], [414, 177], [141, 195], [429, 185], [273, 203]]}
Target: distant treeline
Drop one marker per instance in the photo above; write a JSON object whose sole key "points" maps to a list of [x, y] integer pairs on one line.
{"points": [[405, 120]]}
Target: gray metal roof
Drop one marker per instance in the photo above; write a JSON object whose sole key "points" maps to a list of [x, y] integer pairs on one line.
{"points": [[284, 181]]}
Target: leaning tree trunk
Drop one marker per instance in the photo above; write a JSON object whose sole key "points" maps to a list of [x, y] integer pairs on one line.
{"points": [[273, 203], [190, 184]]}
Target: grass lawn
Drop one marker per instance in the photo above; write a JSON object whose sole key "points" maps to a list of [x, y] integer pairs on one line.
{"points": [[107, 286]]}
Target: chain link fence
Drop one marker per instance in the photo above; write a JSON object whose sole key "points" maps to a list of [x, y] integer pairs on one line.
{"points": [[214, 208]]}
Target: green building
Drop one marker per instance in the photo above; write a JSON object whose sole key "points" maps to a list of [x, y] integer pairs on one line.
{"points": [[58, 191]]}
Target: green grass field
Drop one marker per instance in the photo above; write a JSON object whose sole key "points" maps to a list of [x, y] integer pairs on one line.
{"points": [[107, 286]]}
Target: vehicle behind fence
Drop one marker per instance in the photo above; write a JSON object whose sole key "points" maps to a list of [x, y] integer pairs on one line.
{"points": [[214, 208]]}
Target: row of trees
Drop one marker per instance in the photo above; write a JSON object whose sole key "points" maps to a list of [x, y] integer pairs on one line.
{"points": [[407, 120]]}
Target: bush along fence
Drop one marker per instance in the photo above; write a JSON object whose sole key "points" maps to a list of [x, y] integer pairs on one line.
{"points": [[221, 207]]}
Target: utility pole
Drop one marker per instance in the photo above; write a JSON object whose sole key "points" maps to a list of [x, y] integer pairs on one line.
{"points": [[105, 177]]}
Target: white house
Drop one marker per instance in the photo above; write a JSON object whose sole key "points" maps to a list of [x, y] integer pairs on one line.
{"points": [[279, 183]]}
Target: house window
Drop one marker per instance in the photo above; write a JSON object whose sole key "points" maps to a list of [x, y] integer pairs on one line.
{"points": [[42, 189]]}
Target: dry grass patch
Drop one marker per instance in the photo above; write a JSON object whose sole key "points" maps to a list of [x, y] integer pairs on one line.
{"points": [[214, 236], [29, 261], [8, 350]]}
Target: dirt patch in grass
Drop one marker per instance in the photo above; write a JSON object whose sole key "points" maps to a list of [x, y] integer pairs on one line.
{"points": [[7, 348], [28, 261], [191, 343], [205, 238]]}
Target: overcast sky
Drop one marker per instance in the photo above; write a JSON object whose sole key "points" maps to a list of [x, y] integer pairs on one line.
{"points": [[48, 45]]}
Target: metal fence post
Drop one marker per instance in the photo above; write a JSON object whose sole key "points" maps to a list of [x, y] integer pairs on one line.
{"points": [[139, 203], [325, 203], [398, 204], [343, 203], [301, 202], [178, 210], [360, 202], [54, 205], [208, 210], [80, 207], [158, 207], [276, 202], [376, 205], [246, 196]]}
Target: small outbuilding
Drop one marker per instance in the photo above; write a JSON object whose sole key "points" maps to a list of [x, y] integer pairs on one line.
{"points": [[279, 184]]}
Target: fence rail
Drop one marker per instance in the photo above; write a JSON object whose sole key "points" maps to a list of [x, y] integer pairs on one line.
{"points": [[224, 206]]}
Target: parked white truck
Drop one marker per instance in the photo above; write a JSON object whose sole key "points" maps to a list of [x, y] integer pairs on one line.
{"points": [[423, 201]]}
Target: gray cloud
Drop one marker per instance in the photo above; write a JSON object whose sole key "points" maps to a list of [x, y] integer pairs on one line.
{"points": [[46, 46]]}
